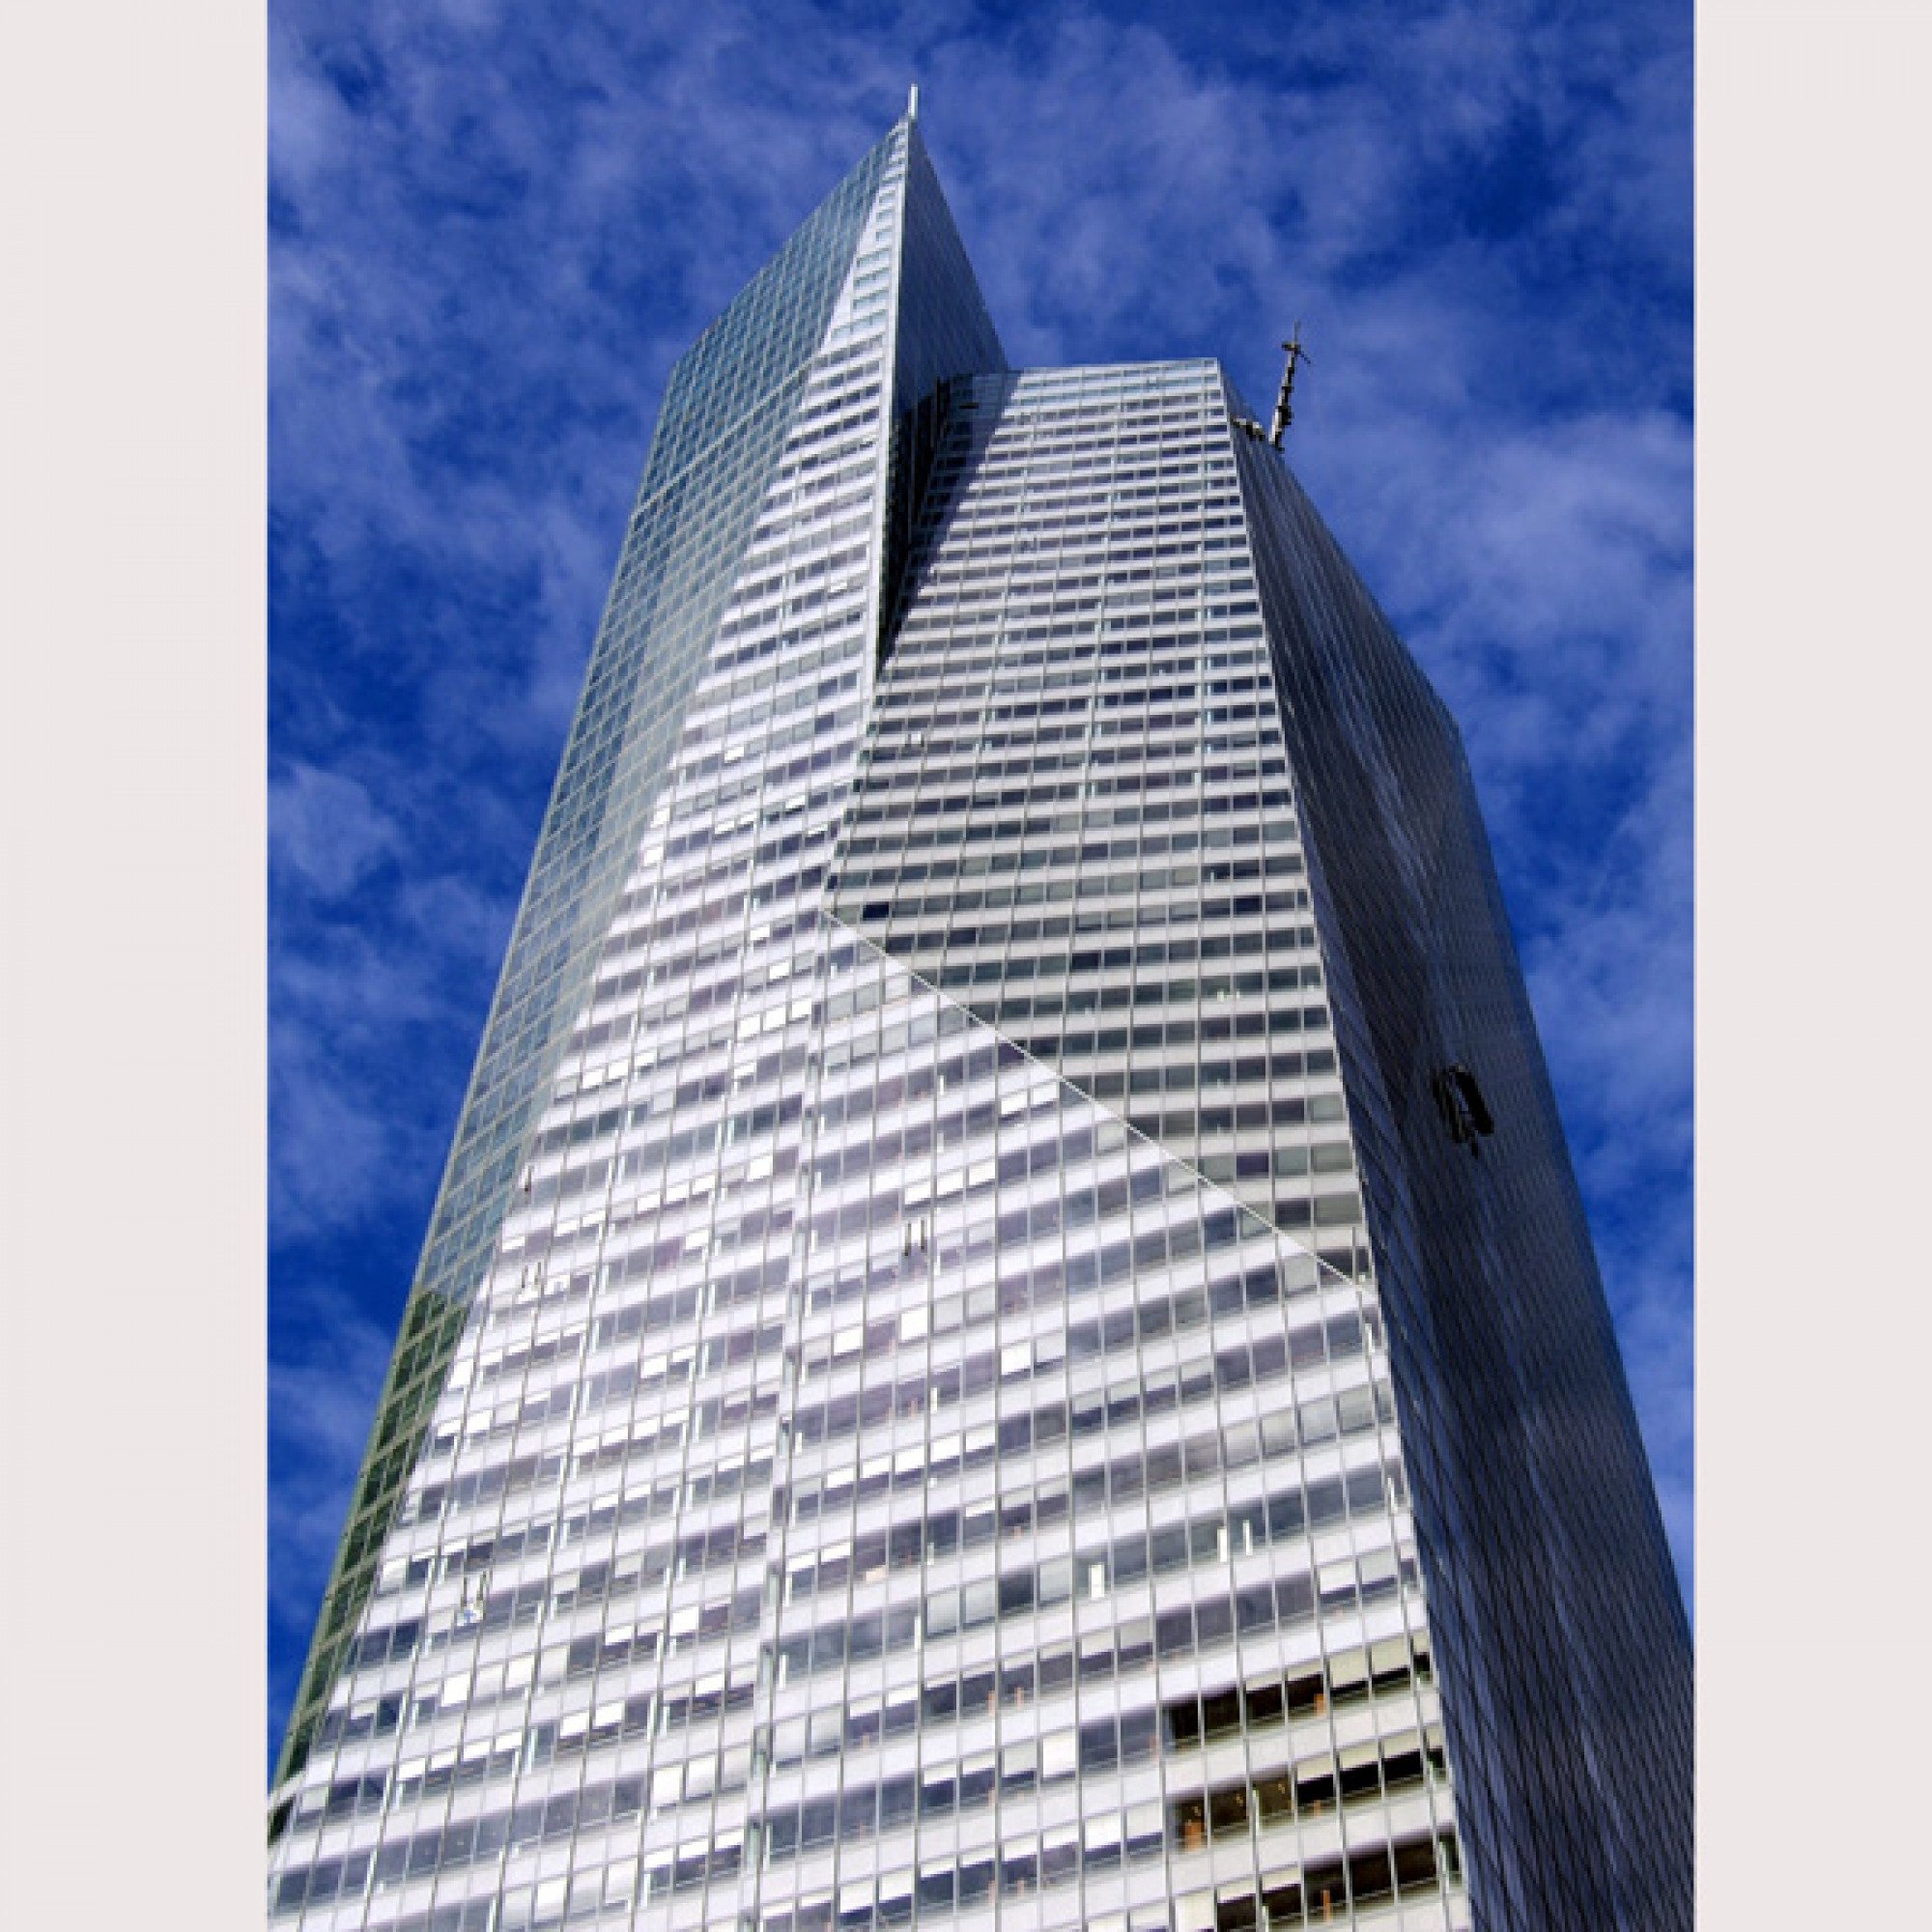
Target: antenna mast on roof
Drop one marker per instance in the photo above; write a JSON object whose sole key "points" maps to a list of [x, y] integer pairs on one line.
{"points": [[912, 102], [1283, 408]]}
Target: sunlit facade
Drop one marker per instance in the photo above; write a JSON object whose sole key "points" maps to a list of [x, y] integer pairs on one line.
{"points": [[1008, 1338]]}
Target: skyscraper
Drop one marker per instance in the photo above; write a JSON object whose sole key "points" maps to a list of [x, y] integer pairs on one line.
{"points": [[1008, 1336]]}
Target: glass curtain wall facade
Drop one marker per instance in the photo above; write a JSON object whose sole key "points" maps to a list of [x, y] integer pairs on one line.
{"points": [[924, 1399]]}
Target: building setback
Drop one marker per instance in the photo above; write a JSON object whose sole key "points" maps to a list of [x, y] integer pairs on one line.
{"points": [[1009, 1336]]}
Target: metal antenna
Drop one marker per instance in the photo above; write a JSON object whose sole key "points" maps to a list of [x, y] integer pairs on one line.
{"points": [[1283, 408]]}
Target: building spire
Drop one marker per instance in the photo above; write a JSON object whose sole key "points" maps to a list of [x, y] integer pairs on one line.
{"points": [[912, 102]]}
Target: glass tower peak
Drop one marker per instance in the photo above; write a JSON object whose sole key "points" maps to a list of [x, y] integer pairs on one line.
{"points": [[963, 1371]]}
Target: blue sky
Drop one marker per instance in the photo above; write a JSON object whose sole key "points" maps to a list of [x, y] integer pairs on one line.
{"points": [[494, 228]]}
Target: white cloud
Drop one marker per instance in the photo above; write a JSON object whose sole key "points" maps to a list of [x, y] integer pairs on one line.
{"points": [[326, 828]]}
